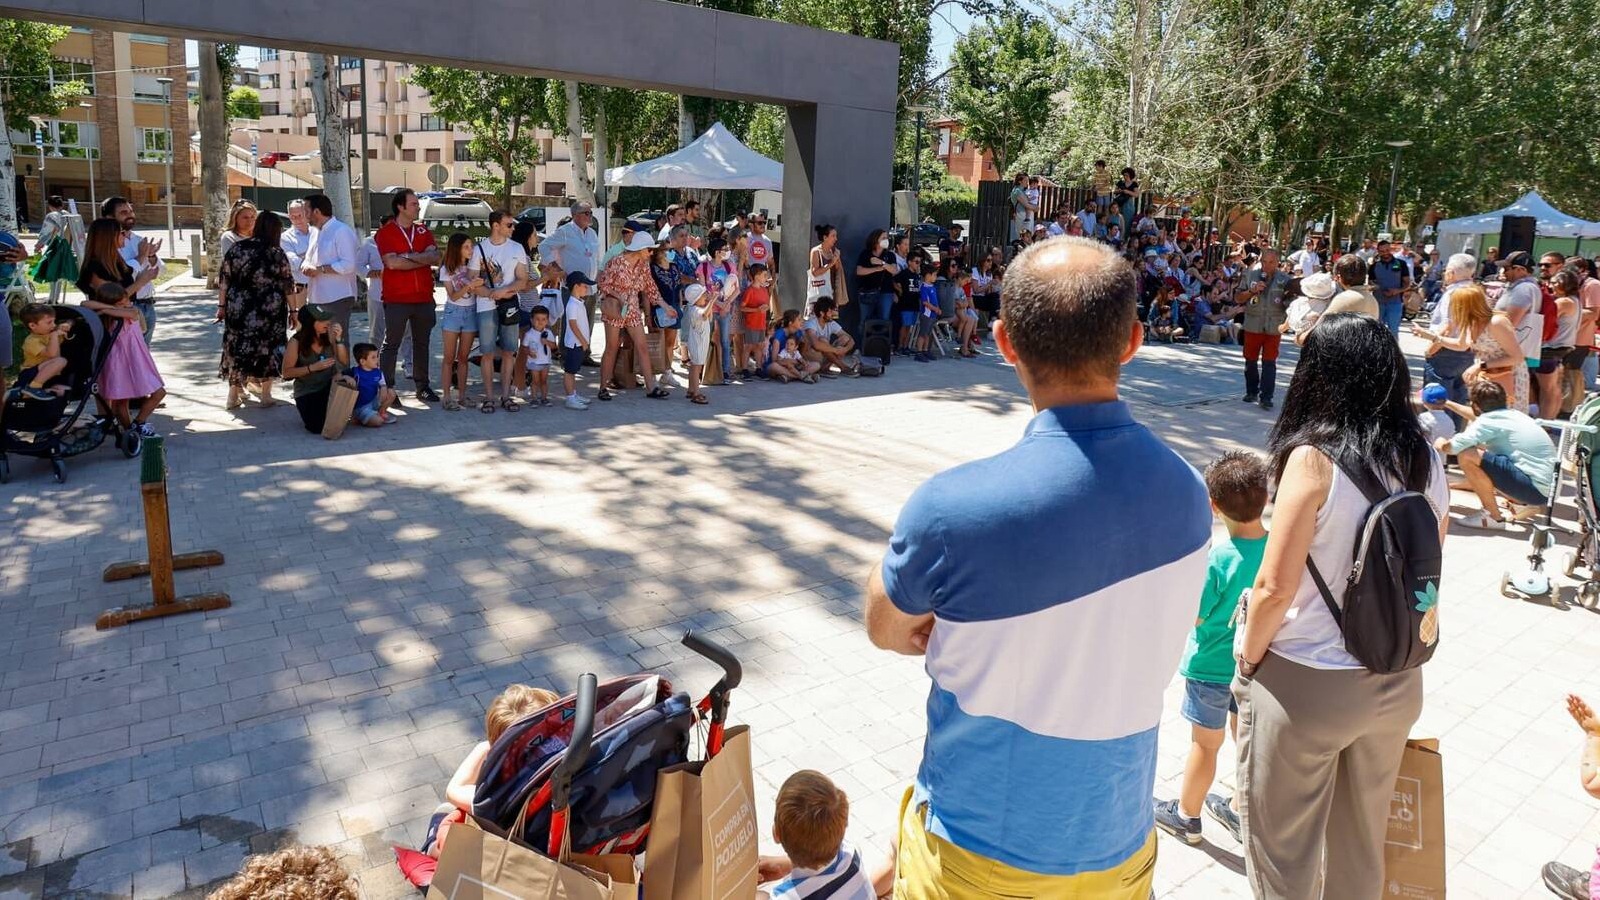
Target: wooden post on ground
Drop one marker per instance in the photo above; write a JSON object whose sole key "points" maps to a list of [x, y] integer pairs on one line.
{"points": [[161, 562]]}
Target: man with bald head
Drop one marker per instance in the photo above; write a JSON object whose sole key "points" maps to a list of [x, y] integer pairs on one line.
{"points": [[1265, 309], [1049, 650]]}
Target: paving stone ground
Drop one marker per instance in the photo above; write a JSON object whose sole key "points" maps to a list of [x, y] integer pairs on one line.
{"points": [[386, 586]]}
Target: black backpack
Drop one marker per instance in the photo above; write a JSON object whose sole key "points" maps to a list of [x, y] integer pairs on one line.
{"points": [[1390, 616]]}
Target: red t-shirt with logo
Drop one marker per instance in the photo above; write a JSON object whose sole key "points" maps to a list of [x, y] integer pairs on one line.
{"points": [[406, 285]]}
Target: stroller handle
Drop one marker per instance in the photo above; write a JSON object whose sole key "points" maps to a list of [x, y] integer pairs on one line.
{"points": [[577, 752], [732, 671]]}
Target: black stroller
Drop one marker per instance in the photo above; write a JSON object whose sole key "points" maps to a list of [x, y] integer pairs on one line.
{"points": [[48, 426]]}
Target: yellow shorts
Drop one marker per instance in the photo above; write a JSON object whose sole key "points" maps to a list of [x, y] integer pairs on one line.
{"points": [[931, 868]]}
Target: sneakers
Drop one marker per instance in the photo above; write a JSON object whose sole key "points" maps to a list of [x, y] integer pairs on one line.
{"points": [[145, 430], [667, 379], [527, 396], [1266, 403], [545, 400], [854, 371], [427, 395], [574, 402], [1249, 398], [1565, 882], [923, 357], [1482, 522], [1218, 809], [1175, 823]]}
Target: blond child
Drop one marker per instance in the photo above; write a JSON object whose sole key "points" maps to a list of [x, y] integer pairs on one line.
{"points": [[314, 873], [513, 704], [809, 823], [42, 361]]}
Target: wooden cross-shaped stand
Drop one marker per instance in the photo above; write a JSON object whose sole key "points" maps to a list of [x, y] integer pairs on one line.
{"points": [[162, 563]]}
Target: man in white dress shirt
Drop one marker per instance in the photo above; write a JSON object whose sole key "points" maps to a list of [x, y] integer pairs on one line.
{"points": [[331, 262], [575, 247], [296, 243], [140, 254]]}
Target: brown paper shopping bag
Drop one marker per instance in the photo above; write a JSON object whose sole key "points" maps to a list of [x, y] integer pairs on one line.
{"points": [[703, 827], [1413, 853], [480, 863], [341, 404]]}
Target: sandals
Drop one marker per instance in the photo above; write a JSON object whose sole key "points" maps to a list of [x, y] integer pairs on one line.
{"points": [[659, 393], [603, 395], [699, 399], [510, 403], [809, 379], [452, 405], [486, 407], [781, 378]]}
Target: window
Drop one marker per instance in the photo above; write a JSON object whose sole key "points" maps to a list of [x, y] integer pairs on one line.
{"points": [[944, 142], [555, 188], [271, 82], [154, 144], [349, 63], [430, 156], [268, 54], [269, 108], [408, 155], [463, 153], [372, 153], [72, 140], [428, 122], [148, 38], [311, 131], [63, 71], [146, 89]]}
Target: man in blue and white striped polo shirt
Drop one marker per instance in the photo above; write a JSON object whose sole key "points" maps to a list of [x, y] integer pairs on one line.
{"points": [[1051, 588]]}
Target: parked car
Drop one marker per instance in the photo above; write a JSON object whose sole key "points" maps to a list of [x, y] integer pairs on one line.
{"points": [[923, 234], [534, 214], [445, 214], [271, 160]]}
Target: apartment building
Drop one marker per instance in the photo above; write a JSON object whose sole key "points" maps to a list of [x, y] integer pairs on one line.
{"points": [[962, 158], [405, 137], [118, 132]]}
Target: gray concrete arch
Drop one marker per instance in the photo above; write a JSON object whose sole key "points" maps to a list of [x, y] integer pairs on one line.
{"points": [[840, 90]]}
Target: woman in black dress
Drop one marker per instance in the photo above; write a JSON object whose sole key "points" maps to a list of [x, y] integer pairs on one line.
{"points": [[253, 305]]}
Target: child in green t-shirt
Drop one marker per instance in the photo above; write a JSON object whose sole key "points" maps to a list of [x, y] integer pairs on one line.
{"points": [[1237, 483]]}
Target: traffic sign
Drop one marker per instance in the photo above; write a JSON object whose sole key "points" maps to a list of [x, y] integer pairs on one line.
{"points": [[438, 175]]}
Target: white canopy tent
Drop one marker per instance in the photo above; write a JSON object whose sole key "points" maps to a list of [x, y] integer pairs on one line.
{"points": [[715, 160], [1465, 233]]}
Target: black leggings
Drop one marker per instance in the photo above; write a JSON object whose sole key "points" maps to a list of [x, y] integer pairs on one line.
{"points": [[313, 409], [989, 303]]}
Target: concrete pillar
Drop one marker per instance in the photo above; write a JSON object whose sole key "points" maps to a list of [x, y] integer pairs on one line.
{"points": [[838, 168]]}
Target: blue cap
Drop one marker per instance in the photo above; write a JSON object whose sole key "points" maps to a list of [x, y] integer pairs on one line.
{"points": [[1435, 393]]}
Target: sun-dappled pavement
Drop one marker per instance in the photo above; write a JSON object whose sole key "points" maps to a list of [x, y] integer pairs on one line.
{"points": [[386, 586]]}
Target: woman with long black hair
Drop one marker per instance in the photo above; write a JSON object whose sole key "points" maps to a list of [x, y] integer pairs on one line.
{"points": [[1320, 735]]}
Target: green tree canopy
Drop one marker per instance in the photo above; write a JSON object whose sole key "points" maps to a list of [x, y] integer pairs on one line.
{"points": [[502, 113], [1003, 74], [25, 61], [244, 103]]}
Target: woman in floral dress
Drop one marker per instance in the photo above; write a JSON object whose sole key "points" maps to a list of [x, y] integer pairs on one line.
{"points": [[253, 305]]}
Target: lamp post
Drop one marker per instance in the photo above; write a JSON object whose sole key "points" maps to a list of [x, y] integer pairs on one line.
{"points": [[38, 144], [89, 152], [916, 159], [1394, 182], [166, 89]]}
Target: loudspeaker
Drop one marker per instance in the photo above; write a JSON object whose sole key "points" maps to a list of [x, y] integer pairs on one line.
{"points": [[1516, 233], [905, 208]]}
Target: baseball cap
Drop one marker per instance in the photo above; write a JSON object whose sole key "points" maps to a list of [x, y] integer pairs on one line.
{"points": [[641, 240], [579, 206], [577, 278], [635, 225], [318, 311], [1517, 258], [1435, 393]]}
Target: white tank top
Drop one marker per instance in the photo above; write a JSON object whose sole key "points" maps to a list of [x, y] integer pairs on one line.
{"points": [[1309, 635]]}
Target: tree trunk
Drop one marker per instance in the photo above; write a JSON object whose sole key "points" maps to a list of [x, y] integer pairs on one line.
{"points": [[213, 156], [1136, 50], [602, 151], [333, 139], [686, 124], [583, 186], [9, 216]]}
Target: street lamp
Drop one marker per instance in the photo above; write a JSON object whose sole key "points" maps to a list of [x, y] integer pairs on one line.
{"points": [[916, 159], [94, 204], [1394, 181], [255, 160], [166, 89], [38, 144]]}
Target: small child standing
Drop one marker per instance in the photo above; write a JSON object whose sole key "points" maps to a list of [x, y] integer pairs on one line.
{"points": [[1101, 179], [511, 706], [373, 396], [927, 312], [42, 362], [810, 822], [757, 298], [697, 311], [1237, 483], [537, 345], [575, 339]]}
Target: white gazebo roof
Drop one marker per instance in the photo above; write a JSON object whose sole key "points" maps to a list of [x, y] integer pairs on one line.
{"points": [[1549, 221], [715, 160]]}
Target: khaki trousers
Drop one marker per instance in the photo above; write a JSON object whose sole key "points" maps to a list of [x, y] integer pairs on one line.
{"points": [[1319, 750]]}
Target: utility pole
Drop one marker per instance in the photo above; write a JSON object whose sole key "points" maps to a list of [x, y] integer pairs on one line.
{"points": [[89, 153], [366, 171], [172, 149], [1394, 182]]}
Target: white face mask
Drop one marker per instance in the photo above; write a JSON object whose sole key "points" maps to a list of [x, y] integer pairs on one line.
{"points": [[883, 244]]}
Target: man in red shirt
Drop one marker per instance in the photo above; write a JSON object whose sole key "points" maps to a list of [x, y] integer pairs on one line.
{"points": [[409, 255]]}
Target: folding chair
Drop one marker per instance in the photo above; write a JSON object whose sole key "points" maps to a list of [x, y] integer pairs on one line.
{"points": [[943, 330]]}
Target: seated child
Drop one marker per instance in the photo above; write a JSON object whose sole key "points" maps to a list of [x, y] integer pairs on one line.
{"points": [[373, 397], [514, 703], [966, 315], [1237, 483], [42, 362], [809, 822], [537, 346], [790, 365], [309, 872], [1435, 420]]}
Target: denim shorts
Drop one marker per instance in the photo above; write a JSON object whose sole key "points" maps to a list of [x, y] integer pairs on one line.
{"points": [[1207, 704], [489, 327], [1512, 481], [368, 414], [459, 319]]}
